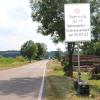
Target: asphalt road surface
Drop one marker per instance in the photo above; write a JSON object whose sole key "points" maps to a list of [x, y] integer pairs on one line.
{"points": [[23, 83]]}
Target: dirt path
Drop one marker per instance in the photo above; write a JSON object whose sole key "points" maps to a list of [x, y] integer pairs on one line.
{"points": [[22, 83]]}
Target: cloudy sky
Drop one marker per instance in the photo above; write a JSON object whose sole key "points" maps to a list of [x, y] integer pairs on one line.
{"points": [[16, 26]]}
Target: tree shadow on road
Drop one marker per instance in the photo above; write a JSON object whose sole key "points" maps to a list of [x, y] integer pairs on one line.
{"points": [[21, 86]]}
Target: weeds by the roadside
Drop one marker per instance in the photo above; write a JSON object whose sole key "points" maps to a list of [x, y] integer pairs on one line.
{"points": [[54, 65], [6, 63], [60, 87]]}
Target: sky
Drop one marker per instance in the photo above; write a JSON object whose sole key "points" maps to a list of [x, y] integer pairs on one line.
{"points": [[17, 27]]}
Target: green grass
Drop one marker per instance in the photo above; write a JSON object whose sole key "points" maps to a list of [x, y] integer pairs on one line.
{"points": [[60, 87], [54, 65], [94, 84], [6, 63]]}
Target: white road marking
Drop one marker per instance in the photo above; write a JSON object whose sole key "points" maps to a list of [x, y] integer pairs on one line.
{"points": [[42, 85]]}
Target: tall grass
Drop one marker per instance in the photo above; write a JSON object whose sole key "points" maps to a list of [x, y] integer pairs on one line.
{"points": [[6, 60], [60, 87], [11, 62], [54, 65]]}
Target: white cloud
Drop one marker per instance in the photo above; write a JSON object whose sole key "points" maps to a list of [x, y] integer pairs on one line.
{"points": [[16, 26]]}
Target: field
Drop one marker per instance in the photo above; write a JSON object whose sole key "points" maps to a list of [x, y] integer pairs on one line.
{"points": [[60, 87], [9, 62]]}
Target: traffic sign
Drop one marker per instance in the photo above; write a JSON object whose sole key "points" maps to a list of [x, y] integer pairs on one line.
{"points": [[77, 22]]}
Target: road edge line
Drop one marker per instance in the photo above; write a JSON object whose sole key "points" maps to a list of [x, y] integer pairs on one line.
{"points": [[42, 85]]}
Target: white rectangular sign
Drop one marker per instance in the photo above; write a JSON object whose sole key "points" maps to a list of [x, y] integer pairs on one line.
{"points": [[77, 22]]}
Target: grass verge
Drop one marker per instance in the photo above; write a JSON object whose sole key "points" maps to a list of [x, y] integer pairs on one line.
{"points": [[94, 85], [59, 87], [6, 63]]}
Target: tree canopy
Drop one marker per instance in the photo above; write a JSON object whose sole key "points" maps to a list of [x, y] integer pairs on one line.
{"points": [[29, 50], [50, 15], [41, 50], [92, 48], [58, 54]]}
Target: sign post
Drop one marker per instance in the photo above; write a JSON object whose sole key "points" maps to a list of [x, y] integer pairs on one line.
{"points": [[77, 25], [79, 73]]}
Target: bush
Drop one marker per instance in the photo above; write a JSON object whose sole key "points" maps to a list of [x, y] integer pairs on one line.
{"points": [[65, 68], [96, 76], [55, 65], [20, 59]]}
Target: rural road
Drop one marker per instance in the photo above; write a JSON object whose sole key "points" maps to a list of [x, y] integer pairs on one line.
{"points": [[23, 83]]}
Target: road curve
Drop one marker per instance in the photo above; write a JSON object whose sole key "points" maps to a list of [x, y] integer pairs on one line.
{"points": [[23, 83]]}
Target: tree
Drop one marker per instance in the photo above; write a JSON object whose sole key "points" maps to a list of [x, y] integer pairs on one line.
{"points": [[95, 19], [50, 13], [41, 50], [92, 48], [29, 50], [58, 54], [97, 48], [88, 48]]}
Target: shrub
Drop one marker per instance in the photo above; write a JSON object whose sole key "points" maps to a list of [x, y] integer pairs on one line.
{"points": [[20, 59]]}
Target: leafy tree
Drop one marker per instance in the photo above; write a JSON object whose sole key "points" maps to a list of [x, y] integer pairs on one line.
{"points": [[88, 48], [95, 19], [58, 54], [92, 48], [29, 50], [41, 50], [97, 48], [50, 13]]}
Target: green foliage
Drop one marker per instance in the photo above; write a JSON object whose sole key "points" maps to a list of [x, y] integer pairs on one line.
{"points": [[88, 48], [95, 18], [67, 69], [41, 50], [58, 54], [10, 60], [60, 87], [20, 59], [29, 50], [50, 13], [7, 60], [97, 48], [92, 48], [55, 65]]}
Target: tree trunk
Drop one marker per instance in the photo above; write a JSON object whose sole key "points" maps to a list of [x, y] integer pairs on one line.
{"points": [[69, 67], [30, 59]]}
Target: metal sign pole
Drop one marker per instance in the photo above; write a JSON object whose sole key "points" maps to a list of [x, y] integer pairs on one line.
{"points": [[78, 63]]}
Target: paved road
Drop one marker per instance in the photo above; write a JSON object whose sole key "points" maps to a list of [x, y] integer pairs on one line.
{"points": [[22, 83]]}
